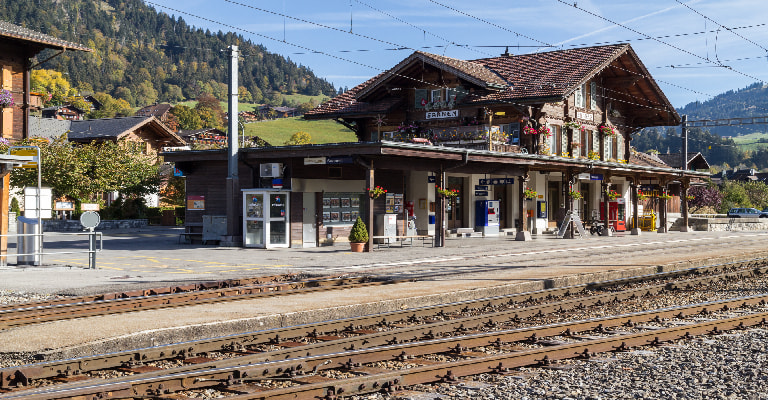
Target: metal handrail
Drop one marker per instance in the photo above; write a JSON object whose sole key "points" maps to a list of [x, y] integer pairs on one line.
{"points": [[90, 252]]}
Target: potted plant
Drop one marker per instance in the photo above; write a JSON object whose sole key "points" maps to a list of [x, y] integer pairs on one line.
{"points": [[613, 195], [358, 237], [448, 193], [574, 194], [529, 193], [376, 192]]}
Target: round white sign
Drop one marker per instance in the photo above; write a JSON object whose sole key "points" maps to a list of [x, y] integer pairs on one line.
{"points": [[90, 219]]}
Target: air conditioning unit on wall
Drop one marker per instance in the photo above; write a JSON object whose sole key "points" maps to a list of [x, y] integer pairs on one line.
{"points": [[271, 170]]}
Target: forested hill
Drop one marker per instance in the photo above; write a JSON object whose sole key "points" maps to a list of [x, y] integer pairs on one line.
{"points": [[144, 56], [751, 101]]}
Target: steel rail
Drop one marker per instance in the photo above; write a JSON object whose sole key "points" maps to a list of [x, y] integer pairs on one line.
{"points": [[35, 315], [229, 283], [14, 376], [223, 376]]}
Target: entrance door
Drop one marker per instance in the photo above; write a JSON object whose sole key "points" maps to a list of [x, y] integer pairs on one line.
{"points": [[309, 222], [454, 205]]}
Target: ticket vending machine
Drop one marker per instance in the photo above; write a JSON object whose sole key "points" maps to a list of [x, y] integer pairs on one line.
{"points": [[616, 214], [487, 216]]}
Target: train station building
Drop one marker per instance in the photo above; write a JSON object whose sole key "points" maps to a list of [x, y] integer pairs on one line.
{"points": [[505, 145]]}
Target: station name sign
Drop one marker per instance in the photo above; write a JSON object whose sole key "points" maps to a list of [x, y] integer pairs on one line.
{"points": [[328, 160], [443, 114]]}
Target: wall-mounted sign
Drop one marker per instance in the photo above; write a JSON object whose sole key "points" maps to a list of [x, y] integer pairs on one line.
{"points": [[431, 179], [339, 160], [584, 176], [596, 177], [498, 181], [481, 193], [443, 114], [481, 187], [195, 202], [177, 172], [585, 116], [314, 160], [89, 206]]}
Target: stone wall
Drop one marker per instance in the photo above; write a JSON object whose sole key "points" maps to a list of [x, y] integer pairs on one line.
{"points": [[58, 225], [728, 224]]}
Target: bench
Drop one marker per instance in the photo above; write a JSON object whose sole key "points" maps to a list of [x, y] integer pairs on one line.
{"points": [[388, 240], [187, 236]]}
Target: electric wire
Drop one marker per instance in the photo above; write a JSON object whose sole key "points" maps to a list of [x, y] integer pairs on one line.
{"points": [[718, 24], [659, 40]]}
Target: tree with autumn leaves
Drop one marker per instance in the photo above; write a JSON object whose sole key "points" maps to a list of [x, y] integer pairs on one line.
{"points": [[84, 172]]}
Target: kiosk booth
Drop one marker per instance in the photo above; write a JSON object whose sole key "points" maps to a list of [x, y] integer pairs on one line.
{"points": [[265, 218], [616, 214]]}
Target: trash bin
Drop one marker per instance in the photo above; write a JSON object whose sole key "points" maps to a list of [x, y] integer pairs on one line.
{"points": [[28, 244]]}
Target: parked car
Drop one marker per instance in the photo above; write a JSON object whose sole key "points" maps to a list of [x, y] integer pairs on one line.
{"points": [[746, 213]]}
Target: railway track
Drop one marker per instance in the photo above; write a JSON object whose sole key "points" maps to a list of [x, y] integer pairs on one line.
{"points": [[173, 296], [459, 324]]}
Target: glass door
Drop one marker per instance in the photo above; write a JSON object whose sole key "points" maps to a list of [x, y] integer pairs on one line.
{"points": [[266, 219]]}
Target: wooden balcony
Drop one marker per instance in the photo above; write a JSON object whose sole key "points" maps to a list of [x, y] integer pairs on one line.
{"points": [[473, 137]]}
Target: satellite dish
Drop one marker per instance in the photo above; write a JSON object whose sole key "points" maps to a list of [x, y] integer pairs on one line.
{"points": [[90, 219]]}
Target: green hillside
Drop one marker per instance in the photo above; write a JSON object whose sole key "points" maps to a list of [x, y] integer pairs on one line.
{"points": [[144, 56], [277, 132]]}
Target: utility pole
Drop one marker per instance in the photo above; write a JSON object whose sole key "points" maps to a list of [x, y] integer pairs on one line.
{"points": [[684, 137], [233, 180]]}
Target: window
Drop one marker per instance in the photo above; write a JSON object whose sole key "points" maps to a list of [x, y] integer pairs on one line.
{"points": [[579, 94], [513, 131], [553, 142], [437, 95], [593, 95]]}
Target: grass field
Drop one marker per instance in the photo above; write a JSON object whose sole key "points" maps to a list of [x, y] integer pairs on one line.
{"points": [[751, 141], [277, 132], [298, 98]]}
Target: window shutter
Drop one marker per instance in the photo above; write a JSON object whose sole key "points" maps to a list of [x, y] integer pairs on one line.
{"points": [[593, 96], [420, 99]]}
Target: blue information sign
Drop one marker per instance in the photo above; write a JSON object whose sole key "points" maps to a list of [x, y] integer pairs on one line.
{"points": [[596, 177]]}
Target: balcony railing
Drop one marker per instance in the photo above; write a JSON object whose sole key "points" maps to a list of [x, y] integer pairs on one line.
{"points": [[474, 137]]}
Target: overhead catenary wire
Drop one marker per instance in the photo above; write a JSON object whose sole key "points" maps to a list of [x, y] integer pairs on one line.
{"points": [[678, 48]]}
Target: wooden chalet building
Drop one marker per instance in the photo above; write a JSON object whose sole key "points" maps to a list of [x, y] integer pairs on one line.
{"points": [[493, 131]]}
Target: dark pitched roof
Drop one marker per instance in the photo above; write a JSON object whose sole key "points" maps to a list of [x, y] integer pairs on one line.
{"points": [[646, 160], [49, 128], [695, 160], [511, 78], [15, 32], [156, 110], [114, 128]]}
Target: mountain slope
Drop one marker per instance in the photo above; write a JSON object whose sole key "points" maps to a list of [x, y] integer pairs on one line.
{"points": [[751, 101], [144, 56]]}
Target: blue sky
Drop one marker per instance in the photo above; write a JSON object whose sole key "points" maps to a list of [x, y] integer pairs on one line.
{"points": [[697, 48]]}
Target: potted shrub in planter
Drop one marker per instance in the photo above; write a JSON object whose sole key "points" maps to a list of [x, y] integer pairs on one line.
{"points": [[358, 237]]}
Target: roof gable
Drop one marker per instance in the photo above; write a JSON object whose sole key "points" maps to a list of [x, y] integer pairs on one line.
{"points": [[469, 71], [525, 78], [116, 128], [29, 36]]}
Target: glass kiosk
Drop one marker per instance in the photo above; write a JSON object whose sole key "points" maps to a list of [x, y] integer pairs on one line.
{"points": [[265, 222]]}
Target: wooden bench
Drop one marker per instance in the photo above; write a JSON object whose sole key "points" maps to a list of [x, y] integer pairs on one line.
{"points": [[388, 240]]}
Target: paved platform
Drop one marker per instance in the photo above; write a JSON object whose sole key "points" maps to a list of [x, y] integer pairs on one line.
{"points": [[466, 268]]}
